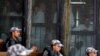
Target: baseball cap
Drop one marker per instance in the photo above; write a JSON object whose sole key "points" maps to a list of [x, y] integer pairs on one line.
{"points": [[91, 49], [14, 29], [53, 42]]}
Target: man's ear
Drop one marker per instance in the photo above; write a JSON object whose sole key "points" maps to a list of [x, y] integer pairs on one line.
{"points": [[13, 34]]}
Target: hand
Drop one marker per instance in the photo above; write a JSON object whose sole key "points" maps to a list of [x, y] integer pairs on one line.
{"points": [[34, 48]]}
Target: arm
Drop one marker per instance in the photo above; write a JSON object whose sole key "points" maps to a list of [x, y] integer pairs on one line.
{"points": [[22, 50], [27, 52]]}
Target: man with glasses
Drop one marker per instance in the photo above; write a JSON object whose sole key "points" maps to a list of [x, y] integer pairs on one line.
{"points": [[54, 49], [90, 51]]}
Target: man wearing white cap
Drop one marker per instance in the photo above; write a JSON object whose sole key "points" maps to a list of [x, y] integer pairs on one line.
{"points": [[90, 51], [14, 37], [54, 49]]}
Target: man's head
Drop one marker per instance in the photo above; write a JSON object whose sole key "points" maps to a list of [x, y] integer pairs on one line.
{"points": [[15, 31], [56, 45], [90, 51]]}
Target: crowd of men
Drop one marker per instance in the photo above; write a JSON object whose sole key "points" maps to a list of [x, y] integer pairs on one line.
{"points": [[14, 47]]}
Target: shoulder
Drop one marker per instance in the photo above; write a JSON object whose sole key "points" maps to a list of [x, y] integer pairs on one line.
{"points": [[47, 47], [46, 50], [45, 53]]}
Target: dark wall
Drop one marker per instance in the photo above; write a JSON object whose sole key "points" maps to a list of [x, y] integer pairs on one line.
{"points": [[97, 17]]}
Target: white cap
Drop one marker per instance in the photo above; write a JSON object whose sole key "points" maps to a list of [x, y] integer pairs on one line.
{"points": [[56, 42], [15, 29], [91, 49]]}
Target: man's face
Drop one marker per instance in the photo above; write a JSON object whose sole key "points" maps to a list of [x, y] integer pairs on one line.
{"points": [[92, 54], [16, 33], [57, 48]]}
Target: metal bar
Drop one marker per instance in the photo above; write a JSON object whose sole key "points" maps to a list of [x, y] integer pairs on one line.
{"points": [[77, 2], [97, 23]]}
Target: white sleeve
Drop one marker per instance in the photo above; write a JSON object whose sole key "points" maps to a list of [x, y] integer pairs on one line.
{"points": [[27, 52]]}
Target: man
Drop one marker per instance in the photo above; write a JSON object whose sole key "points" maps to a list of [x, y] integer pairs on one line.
{"points": [[54, 49], [14, 37], [19, 50], [90, 51]]}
